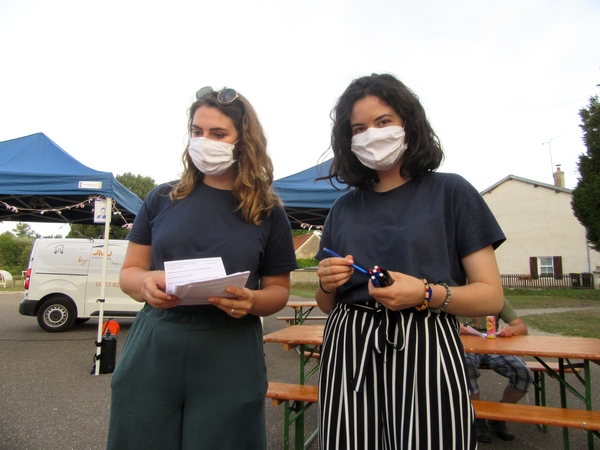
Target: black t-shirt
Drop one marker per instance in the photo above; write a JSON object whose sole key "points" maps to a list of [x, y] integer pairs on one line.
{"points": [[205, 224], [423, 228]]}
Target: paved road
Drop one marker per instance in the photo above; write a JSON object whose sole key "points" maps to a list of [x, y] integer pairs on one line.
{"points": [[49, 400]]}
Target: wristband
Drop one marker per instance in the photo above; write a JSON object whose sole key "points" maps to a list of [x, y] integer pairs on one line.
{"points": [[321, 286]]}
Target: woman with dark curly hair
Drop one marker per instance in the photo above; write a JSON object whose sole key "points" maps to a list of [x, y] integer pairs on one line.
{"points": [[392, 365], [194, 376]]}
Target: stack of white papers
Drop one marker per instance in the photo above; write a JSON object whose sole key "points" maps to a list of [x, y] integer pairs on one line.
{"points": [[195, 280]]}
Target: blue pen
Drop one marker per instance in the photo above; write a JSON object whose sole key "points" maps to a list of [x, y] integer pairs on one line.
{"points": [[357, 267]]}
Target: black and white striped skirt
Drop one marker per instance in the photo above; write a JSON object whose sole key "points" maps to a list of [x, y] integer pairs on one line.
{"points": [[393, 380]]}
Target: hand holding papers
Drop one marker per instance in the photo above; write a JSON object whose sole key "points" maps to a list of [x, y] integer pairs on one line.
{"points": [[471, 330], [195, 280]]}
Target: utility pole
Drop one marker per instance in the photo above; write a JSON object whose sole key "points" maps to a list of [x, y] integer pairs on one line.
{"points": [[550, 147]]}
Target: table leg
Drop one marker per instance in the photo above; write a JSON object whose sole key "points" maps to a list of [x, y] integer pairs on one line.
{"points": [[563, 400], [588, 397], [300, 419], [300, 429], [539, 381], [286, 426], [300, 314]]}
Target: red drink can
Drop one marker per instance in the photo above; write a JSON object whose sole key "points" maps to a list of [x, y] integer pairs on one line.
{"points": [[490, 326]]}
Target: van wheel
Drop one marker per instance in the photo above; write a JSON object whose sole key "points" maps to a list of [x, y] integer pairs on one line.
{"points": [[57, 314]]}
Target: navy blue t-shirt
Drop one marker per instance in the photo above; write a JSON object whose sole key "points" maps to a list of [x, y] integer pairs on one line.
{"points": [[423, 228], [205, 224]]}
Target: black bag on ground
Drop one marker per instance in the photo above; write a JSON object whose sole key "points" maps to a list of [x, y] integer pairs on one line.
{"points": [[108, 354]]}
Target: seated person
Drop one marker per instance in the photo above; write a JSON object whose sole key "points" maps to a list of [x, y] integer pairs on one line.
{"points": [[512, 367]]}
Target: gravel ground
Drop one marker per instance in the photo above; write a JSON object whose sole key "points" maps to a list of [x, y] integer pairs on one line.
{"points": [[49, 400]]}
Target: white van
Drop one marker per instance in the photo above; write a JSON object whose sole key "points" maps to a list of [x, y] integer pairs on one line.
{"points": [[62, 284]]}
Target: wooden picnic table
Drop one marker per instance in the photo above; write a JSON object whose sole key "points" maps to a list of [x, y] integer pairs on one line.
{"points": [[562, 348], [303, 336], [302, 309]]}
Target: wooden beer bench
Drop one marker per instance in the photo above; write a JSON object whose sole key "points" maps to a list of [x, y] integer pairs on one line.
{"points": [[510, 412], [538, 415], [301, 396], [291, 320], [539, 380]]}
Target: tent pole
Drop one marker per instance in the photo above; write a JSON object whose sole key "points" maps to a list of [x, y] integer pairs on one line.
{"points": [[103, 281]]}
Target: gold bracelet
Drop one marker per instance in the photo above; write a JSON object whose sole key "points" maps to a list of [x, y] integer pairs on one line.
{"points": [[446, 301]]}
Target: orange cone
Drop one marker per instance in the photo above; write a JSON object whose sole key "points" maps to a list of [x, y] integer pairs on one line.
{"points": [[111, 327]]}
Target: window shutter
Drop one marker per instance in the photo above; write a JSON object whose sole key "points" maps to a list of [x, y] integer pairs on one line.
{"points": [[533, 267], [557, 262]]}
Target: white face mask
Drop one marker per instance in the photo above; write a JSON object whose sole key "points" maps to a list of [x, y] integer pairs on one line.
{"points": [[211, 157], [379, 148]]}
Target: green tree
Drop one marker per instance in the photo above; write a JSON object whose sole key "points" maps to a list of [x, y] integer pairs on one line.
{"points": [[14, 252], [23, 230], [586, 196], [139, 185]]}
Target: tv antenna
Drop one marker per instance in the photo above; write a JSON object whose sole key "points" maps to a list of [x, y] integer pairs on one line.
{"points": [[550, 148]]}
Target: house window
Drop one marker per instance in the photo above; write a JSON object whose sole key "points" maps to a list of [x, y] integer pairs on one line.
{"points": [[546, 266]]}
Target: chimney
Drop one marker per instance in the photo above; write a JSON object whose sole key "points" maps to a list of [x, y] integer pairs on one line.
{"points": [[559, 177]]}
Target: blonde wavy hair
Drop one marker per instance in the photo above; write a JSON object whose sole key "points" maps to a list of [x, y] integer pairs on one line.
{"points": [[254, 168]]}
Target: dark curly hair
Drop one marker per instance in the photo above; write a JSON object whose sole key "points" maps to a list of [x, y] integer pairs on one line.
{"points": [[424, 153]]}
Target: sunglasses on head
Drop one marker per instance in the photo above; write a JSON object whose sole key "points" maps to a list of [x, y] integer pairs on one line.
{"points": [[224, 96]]}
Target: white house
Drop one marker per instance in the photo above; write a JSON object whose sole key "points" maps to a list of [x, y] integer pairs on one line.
{"points": [[544, 238]]}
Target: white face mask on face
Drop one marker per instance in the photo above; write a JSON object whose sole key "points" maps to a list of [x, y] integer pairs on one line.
{"points": [[379, 148], [211, 157]]}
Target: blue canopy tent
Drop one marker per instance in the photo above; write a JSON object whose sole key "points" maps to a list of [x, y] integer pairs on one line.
{"points": [[40, 182], [307, 201]]}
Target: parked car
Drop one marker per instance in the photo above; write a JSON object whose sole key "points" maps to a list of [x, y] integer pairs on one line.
{"points": [[63, 281]]}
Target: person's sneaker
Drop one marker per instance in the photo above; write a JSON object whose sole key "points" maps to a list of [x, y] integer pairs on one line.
{"points": [[501, 431], [483, 434]]}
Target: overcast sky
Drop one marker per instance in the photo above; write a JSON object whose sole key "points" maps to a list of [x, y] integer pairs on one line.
{"points": [[110, 82]]}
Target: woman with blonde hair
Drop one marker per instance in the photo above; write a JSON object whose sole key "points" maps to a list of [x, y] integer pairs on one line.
{"points": [[194, 376]]}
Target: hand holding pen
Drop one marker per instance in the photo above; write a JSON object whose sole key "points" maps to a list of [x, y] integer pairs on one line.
{"points": [[355, 266], [334, 272], [378, 276], [396, 296]]}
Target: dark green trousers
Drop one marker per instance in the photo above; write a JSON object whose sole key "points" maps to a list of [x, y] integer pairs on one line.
{"points": [[188, 382]]}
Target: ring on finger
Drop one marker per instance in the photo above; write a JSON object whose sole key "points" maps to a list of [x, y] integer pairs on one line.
{"points": [[232, 311]]}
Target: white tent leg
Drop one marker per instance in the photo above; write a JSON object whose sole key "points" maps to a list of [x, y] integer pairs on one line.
{"points": [[103, 280]]}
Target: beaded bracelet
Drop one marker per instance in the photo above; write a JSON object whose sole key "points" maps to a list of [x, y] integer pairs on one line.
{"points": [[321, 286], [428, 294], [446, 301]]}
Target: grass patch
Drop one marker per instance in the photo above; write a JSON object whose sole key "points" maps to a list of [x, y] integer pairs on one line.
{"points": [[574, 323], [17, 288], [519, 298], [305, 290], [540, 302], [555, 298]]}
